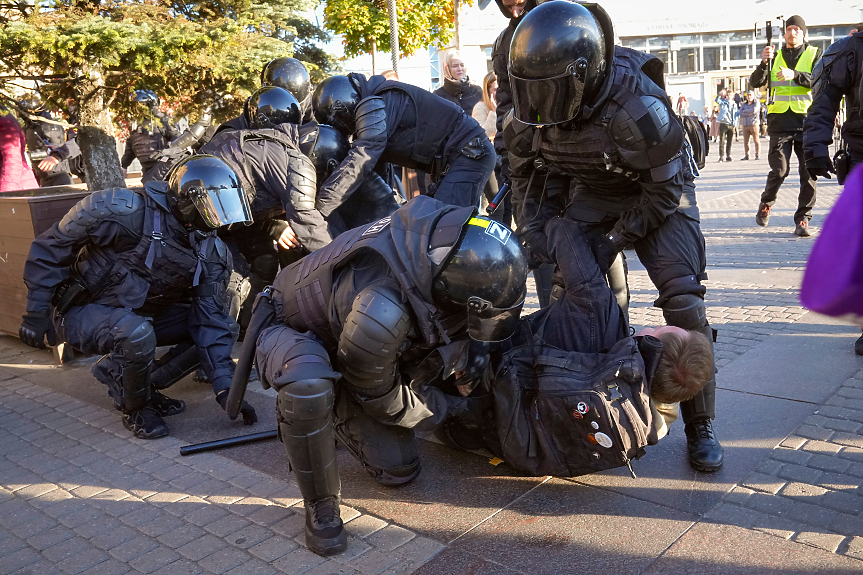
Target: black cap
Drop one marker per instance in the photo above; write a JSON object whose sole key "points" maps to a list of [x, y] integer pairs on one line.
{"points": [[796, 21]]}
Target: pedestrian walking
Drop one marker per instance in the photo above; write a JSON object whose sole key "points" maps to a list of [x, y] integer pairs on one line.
{"points": [[750, 116], [725, 117]]}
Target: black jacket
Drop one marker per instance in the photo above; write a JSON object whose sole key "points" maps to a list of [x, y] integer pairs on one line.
{"points": [[45, 138], [104, 242], [787, 121], [463, 94], [838, 75]]}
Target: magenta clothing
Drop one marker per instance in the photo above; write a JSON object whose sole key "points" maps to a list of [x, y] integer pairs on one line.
{"points": [[15, 173]]}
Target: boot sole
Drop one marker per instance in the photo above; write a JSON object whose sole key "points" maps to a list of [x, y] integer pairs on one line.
{"points": [[172, 411], [326, 547], [141, 434], [705, 468]]}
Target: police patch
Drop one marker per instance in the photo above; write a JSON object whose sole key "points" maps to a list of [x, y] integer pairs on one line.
{"points": [[377, 226], [498, 231]]}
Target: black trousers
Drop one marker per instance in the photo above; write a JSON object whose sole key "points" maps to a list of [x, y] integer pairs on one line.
{"points": [[726, 132], [779, 158]]}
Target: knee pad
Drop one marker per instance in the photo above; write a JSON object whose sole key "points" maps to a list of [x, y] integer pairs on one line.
{"points": [[373, 334], [686, 311], [134, 339], [306, 406], [266, 267], [284, 356]]}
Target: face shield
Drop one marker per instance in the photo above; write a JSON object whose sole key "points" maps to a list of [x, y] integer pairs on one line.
{"points": [[549, 100], [488, 323], [220, 206]]}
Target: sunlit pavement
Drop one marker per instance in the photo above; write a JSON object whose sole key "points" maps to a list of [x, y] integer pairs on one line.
{"points": [[79, 494]]}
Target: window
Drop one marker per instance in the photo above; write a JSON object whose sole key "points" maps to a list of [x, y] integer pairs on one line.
{"points": [[740, 36], [687, 40], [715, 38], [739, 52], [840, 31], [818, 32], [658, 42], [635, 43], [489, 65], [434, 68], [712, 57], [687, 61], [820, 44]]}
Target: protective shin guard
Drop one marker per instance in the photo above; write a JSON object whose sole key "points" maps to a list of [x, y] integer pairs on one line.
{"points": [[703, 405], [176, 367], [305, 428]]}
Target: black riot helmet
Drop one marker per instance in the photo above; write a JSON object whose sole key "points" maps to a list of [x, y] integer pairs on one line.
{"points": [[270, 106], [485, 276], [290, 74], [559, 60], [205, 194], [31, 103], [335, 103], [326, 147], [147, 97]]}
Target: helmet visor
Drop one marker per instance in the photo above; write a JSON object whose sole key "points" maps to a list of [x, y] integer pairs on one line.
{"points": [[488, 323], [222, 206], [547, 101]]}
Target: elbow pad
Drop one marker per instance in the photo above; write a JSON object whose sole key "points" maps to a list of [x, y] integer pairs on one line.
{"points": [[371, 120], [86, 214], [648, 137]]}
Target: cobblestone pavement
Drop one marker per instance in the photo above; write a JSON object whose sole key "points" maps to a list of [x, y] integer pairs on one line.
{"points": [[78, 494]]}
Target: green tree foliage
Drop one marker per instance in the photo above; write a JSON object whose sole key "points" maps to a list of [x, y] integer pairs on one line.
{"points": [[422, 23], [192, 54]]}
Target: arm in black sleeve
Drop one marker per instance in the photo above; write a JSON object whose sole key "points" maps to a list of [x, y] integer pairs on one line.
{"points": [[832, 77], [209, 323], [537, 198], [67, 151], [102, 218], [503, 96], [370, 141], [128, 154], [658, 201], [169, 129], [760, 75]]}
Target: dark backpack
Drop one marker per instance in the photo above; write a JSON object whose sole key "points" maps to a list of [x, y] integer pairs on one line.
{"points": [[565, 413], [696, 135]]}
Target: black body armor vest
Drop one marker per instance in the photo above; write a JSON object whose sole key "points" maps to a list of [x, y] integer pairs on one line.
{"points": [[585, 150], [424, 127], [144, 143], [160, 270]]}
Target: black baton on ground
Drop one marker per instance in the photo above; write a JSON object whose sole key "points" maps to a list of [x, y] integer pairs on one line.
{"points": [[498, 199], [228, 442]]}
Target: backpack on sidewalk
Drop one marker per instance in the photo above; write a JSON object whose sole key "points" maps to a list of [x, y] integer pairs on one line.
{"points": [[565, 413]]}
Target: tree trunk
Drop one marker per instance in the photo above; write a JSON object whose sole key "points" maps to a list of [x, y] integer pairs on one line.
{"points": [[394, 34], [456, 24], [95, 131], [374, 54]]}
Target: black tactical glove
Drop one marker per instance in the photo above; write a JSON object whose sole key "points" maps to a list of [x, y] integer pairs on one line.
{"points": [[820, 167], [536, 245], [605, 250], [246, 409], [34, 328]]}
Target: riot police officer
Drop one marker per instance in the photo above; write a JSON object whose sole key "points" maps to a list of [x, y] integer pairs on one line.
{"points": [[124, 272], [837, 75], [610, 129], [292, 75], [153, 134], [406, 126], [385, 310], [47, 145]]}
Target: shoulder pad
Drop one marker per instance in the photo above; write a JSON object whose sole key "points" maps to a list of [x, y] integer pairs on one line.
{"points": [[98, 206], [222, 251], [157, 190], [647, 135], [371, 119]]}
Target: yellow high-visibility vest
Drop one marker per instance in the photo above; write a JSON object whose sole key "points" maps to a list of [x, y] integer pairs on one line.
{"points": [[785, 94]]}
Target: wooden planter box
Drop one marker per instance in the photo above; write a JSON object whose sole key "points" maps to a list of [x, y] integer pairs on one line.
{"points": [[24, 215]]}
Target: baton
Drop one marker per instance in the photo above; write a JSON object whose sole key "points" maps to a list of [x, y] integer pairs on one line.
{"points": [[263, 313], [501, 194], [228, 442]]}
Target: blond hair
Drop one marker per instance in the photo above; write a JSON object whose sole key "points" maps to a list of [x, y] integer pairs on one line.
{"points": [[685, 367], [486, 98]]}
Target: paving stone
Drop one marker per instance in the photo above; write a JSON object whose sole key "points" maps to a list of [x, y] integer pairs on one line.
{"points": [[50, 538], [769, 504], [855, 469], [845, 524], [114, 537], [179, 567], [420, 549], [253, 567], [271, 549], [201, 547], [34, 526], [18, 560], [142, 515], [292, 526], [38, 568], [132, 548], [842, 502], [187, 506], [843, 425], [160, 526], [65, 549], [181, 535], [852, 453], [828, 541], [206, 515], [97, 526], [809, 514], [108, 567], [154, 560], [821, 447], [268, 515], [761, 482], [769, 467], [356, 547], [799, 473], [855, 547], [330, 568], [849, 439], [374, 562], [390, 537], [738, 495], [812, 432], [10, 544], [728, 514], [34, 491], [297, 561], [249, 536], [82, 560], [803, 491], [777, 526], [828, 463], [224, 560], [227, 526], [364, 525]]}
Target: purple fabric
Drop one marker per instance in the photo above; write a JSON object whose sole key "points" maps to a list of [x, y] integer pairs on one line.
{"points": [[833, 281]]}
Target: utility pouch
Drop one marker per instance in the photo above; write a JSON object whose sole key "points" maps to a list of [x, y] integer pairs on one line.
{"points": [[70, 293], [473, 149], [841, 163]]}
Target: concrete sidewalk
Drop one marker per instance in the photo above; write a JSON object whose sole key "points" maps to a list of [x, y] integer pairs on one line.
{"points": [[78, 494]]}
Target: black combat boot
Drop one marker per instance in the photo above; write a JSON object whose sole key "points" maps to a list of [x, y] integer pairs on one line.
{"points": [[325, 532], [705, 451], [164, 405], [146, 423]]}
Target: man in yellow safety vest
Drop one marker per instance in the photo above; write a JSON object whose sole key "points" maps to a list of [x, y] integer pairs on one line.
{"points": [[789, 71]]}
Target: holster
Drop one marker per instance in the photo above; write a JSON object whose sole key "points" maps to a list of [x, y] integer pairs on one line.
{"points": [[70, 293], [841, 163]]}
